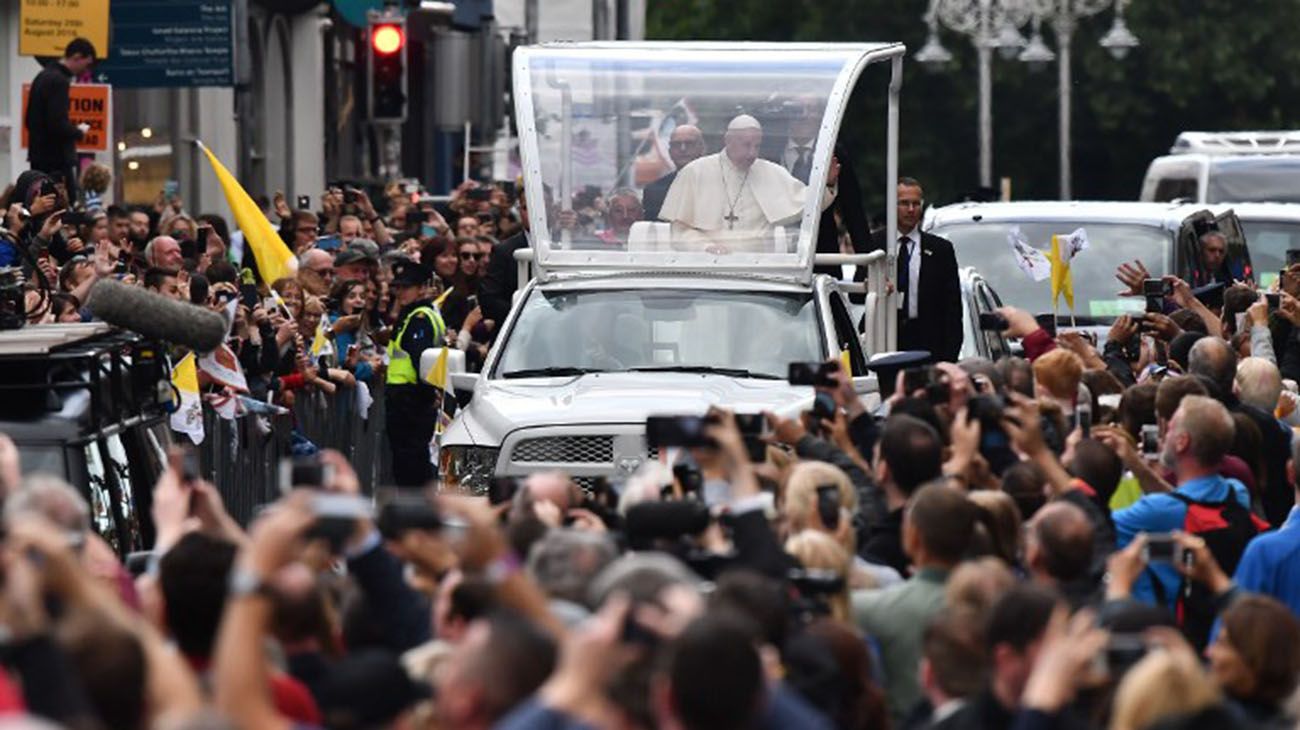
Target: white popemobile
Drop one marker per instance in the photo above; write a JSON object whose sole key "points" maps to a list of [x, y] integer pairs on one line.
{"points": [[675, 315]]}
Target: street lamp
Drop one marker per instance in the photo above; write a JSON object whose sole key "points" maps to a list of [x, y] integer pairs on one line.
{"points": [[1064, 16], [991, 25]]}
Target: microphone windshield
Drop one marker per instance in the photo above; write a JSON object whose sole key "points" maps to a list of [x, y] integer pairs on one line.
{"points": [[156, 316]]}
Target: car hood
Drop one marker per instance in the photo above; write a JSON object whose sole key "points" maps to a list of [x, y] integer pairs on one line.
{"points": [[502, 406]]}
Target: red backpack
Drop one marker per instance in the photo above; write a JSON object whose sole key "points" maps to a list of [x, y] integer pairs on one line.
{"points": [[1226, 527]]}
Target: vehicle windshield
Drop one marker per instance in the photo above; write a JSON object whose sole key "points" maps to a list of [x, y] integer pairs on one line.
{"points": [[1255, 179], [985, 247], [1269, 242], [662, 329], [718, 151]]}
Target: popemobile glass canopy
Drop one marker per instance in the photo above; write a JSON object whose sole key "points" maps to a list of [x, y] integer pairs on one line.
{"points": [[689, 156]]}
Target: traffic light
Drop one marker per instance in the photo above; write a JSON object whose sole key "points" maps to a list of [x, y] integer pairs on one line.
{"points": [[387, 70]]}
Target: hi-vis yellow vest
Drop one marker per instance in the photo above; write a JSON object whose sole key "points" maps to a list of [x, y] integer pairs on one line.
{"points": [[401, 370]]}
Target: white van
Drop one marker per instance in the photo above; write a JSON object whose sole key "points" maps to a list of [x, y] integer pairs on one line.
{"points": [[1227, 167]]}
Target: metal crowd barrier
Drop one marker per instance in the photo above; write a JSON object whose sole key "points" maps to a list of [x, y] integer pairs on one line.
{"points": [[243, 460]]}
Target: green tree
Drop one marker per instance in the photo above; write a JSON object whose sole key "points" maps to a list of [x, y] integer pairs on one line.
{"points": [[1203, 65]]}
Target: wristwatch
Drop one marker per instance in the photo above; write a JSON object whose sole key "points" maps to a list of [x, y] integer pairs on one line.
{"points": [[244, 583]]}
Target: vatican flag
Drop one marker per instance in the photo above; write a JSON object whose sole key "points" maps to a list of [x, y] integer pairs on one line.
{"points": [[274, 259], [321, 344], [1062, 282], [188, 417]]}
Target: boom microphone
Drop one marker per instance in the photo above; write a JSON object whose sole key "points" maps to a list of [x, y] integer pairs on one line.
{"points": [[156, 316]]}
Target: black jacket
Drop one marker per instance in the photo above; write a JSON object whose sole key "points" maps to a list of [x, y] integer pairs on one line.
{"points": [[652, 199], [938, 326], [496, 289], [51, 136]]}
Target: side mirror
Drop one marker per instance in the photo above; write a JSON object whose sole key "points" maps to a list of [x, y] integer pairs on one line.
{"points": [[462, 386], [429, 360]]}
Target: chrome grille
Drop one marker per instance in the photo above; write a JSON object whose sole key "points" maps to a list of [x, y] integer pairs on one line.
{"points": [[565, 450]]}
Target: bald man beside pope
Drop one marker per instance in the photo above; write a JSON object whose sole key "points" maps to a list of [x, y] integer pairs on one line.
{"points": [[731, 200]]}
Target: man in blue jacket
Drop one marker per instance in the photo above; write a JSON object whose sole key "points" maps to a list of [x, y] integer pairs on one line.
{"points": [[1199, 436]]}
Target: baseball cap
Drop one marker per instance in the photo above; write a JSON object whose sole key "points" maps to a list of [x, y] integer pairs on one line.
{"points": [[351, 256], [365, 246], [409, 273]]}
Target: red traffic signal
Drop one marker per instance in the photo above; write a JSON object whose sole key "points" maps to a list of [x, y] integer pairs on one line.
{"points": [[387, 39]]}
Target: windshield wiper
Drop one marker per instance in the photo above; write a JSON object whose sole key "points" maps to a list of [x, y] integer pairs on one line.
{"points": [[708, 369], [549, 372]]}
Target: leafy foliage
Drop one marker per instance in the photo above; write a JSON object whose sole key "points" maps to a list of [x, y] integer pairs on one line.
{"points": [[1203, 65]]}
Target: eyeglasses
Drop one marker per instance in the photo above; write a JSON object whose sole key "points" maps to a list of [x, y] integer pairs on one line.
{"points": [[472, 256], [324, 272], [307, 229]]}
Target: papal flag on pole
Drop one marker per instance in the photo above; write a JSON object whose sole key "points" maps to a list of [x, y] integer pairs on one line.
{"points": [[1064, 249], [1029, 259], [437, 377], [188, 417], [320, 343], [274, 259]]}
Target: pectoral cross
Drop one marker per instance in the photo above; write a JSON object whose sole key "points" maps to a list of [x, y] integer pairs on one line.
{"points": [[731, 219]]}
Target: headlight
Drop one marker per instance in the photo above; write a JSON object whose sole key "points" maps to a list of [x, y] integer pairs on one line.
{"points": [[467, 468]]}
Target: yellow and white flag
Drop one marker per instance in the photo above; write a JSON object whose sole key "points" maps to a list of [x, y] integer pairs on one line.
{"points": [[321, 344], [437, 377], [1064, 249], [188, 417], [274, 259]]}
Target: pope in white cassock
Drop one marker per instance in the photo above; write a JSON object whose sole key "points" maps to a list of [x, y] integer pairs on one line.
{"points": [[731, 200]]}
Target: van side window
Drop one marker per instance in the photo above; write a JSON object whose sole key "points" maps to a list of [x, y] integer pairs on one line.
{"points": [[1172, 188]]}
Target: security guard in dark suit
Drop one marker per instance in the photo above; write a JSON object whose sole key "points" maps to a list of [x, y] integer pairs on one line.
{"points": [[411, 405]]}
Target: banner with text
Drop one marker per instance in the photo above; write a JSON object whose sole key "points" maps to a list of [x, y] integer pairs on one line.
{"points": [[170, 43], [46, 26], [89, 104]]}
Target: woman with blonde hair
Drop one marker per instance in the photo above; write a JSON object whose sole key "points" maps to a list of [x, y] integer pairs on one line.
{"points": [[1163, 685], [817, 550], [810, 487]]}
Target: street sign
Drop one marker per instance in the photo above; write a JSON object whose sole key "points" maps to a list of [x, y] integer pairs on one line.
{"points": [[89, 104], [46, 26], [169, 43]]}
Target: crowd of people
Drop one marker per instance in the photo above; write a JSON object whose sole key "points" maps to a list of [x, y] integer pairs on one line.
{"points": [[1091, 535], [1082, 537]]}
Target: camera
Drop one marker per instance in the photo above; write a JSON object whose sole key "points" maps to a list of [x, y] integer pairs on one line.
{"points": [[400, 511], [1155, 291], [479, 194], [336, 517], [993, 322], [828, 506], [687, 431], [995, 444], [688, 474], [304, 202], [753, 427], [1274, 300], [928, 379], [304, 471], [350, 196], [1150, 440], [816, 374], [1163, 547], [248, 295]]}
